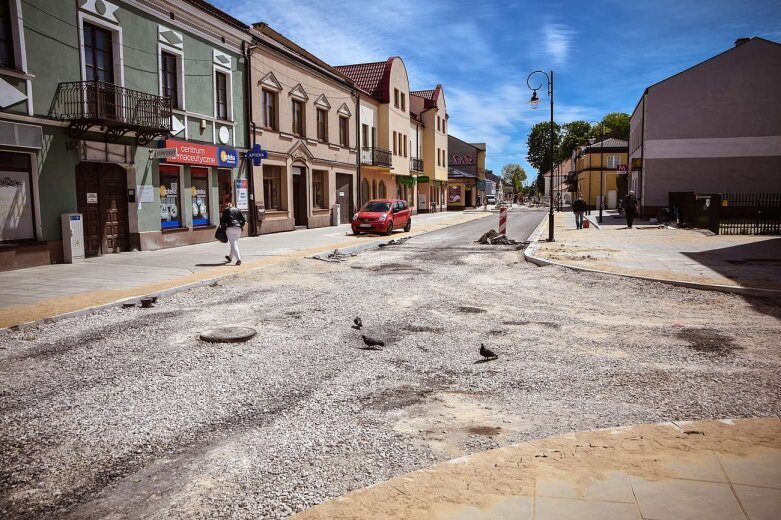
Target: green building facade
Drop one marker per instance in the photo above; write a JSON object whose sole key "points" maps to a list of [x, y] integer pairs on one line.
{"points": [[130, 113]]}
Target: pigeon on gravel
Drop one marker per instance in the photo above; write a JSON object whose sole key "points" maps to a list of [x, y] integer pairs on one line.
{"points": [[371, 342], [487, 353], [358, 323]]}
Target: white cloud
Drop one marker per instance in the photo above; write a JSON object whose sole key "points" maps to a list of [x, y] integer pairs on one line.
{"points": [[557, 39]]}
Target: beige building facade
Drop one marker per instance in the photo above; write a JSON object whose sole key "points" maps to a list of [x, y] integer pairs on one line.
{"points": [[303, 116], [386, 146], [430, 108]]}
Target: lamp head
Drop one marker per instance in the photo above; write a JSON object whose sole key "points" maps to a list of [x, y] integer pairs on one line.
{"points": [[535, 100]]}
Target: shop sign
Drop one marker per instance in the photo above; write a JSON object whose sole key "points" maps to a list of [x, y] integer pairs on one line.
{"points": [[256, 155], [227, 157], [192, 153], [405, 181], [460, 160], [164, 153], [480, 184], [92, 198], [242, 195], [423, 179]]}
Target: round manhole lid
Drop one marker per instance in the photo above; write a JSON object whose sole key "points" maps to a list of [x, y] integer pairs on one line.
{"points": [[228, 334]]}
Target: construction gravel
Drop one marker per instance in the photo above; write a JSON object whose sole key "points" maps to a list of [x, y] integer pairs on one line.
{"points": [[127, 413]]}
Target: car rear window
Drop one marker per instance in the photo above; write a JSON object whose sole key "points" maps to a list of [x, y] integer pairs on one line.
{"points": [[374, 206]]}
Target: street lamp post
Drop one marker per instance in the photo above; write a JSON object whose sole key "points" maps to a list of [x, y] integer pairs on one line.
{"points": [[535, 102]]}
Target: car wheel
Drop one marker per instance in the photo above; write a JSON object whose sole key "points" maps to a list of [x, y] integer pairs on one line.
{"points": [[408, 226], [390, 229], [356, 233]]}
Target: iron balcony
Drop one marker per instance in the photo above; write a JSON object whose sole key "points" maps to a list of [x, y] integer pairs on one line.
{"points": [[373, 156], [118, 109], [416, 165]]}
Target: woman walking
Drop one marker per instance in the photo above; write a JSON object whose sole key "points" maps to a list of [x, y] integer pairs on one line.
{"points": [[233, 221]]}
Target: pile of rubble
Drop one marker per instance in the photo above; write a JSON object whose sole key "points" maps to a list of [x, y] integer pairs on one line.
{"points": [[495, 239], [395, 242], [335, 256]]}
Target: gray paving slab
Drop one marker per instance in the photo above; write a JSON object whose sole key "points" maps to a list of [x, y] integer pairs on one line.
{"points": [[678, 499]]}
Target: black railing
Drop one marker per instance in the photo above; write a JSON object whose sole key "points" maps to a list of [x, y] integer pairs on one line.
{"points": [[376, 156], [119, 109], [416, 165], [750, 214]]}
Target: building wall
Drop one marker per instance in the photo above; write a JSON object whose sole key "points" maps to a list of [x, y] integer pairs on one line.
{"points": [[715, 127], [288, 80], [52, 39]]}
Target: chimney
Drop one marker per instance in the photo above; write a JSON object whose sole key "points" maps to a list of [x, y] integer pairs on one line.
{"points": [[741, 41]]}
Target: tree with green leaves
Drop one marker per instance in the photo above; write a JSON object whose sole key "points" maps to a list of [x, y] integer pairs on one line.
{"points": [[616, 125], [574, 134], [514, 174], [538, 143]]}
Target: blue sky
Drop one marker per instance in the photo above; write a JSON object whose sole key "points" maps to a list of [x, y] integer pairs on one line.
{"points": [[603, 53]]}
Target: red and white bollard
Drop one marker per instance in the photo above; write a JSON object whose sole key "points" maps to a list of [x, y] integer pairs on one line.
{"points": [[502, 220]]}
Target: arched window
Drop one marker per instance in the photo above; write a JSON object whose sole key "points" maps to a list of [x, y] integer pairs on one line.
{"points": [[374, 189], [364, 191], [383, 194]]}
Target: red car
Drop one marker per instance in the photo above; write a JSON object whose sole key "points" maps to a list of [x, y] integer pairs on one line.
{"points": [[382, 216]]}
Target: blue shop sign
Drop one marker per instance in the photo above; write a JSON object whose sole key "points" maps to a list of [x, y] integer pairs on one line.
{"points": [[227, 157]]}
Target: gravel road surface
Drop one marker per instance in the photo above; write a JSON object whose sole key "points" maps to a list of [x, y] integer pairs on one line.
{"points": [[128, 414]]}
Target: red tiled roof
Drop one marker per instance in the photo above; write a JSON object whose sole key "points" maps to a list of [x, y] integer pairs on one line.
{"points": [[372, 78], [425, 94], [430, 96]]}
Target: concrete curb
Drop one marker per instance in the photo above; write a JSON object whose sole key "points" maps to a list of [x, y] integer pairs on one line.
{"points": [[529, 256]]}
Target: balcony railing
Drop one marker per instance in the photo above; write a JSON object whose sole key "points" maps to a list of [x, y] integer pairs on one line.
{"points": [[119, 109], [376, 157], [416, 165]]}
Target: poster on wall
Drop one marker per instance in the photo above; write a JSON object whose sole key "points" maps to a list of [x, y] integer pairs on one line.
{"points": [[242, 195], [16, 215], [454, 194]]}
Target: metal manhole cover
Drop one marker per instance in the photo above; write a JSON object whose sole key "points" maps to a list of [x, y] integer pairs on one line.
{"points": [[228, 334]]}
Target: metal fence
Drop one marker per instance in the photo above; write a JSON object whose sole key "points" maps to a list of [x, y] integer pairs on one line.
{"points": [[750, 214]]}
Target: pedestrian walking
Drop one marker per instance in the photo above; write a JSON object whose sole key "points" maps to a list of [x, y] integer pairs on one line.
{"points": [[579, 207], [630, 208], [233, 221]]}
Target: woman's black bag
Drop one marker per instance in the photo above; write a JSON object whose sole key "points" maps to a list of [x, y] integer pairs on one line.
{"points": [[221, 235]]}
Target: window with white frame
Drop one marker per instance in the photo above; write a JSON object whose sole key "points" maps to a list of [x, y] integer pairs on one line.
{"points": [[221, 95], [169, 77], [612, 162]]}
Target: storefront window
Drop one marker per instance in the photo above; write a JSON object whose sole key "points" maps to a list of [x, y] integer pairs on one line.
{"points": [[318, 188], [16, 203], [200, 196], [170, 203], [272, 186]]}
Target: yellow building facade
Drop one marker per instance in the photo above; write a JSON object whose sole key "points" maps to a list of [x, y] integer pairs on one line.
{"points": [[598, 166]]}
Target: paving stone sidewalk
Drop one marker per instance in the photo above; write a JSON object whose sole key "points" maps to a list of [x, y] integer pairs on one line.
{"points": [[37, 293], [648, 250], [714, 470]]}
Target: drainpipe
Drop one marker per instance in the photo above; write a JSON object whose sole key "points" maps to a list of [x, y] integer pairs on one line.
{"points": [[250, 124], [357, 96]]}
